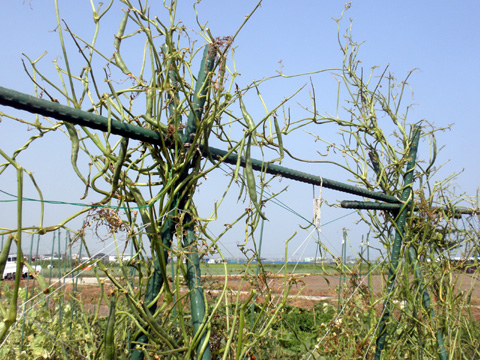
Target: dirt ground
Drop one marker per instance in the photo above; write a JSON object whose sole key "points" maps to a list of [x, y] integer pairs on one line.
{"points": [[306, 289], [312, 288]]}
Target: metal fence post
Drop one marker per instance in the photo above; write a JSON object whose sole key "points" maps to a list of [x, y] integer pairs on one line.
{"points": [[398, 241]]}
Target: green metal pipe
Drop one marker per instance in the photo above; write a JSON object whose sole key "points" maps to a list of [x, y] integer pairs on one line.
{"points": [[368, 205], [193, 265], [302, 176], [156, 281], [412, 255], [196, 290], [43, 107], [197, 300], [398, 241], [52, 109], [153, 288], [175, 117]]}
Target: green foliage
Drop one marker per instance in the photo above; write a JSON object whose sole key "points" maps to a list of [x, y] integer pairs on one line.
{"points": [[53, 333], [147, 195], [299, 329]]}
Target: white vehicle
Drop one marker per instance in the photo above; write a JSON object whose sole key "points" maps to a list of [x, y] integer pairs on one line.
{"points": [[11, 269]]}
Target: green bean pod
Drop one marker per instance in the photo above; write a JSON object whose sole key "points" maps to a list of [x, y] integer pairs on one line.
{"points": [[99, 175], [110, 334], [116, 43], [250, 177], [248, 119], [279, 138], [150, 93], [72, 132], [119, 163], [239, 157], [242, 187]]}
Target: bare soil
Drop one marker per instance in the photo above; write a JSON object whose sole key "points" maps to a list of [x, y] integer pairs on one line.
{"points": [[306, 290]]}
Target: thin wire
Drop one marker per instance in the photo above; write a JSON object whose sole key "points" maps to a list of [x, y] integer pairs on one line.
{"points": [[343, 308], [54, 337], [25, 311], [378, 324], [63, 278], [283, 290], [56, 202]]}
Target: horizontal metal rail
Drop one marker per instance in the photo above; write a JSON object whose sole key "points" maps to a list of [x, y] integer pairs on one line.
{"points": [[304, 177], [368, 205], [57, 111]]}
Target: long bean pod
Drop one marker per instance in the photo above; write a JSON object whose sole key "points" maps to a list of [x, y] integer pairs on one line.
{"points": [[250, 177], [72, 132], [118, 165], [110, 333], [279, 138], [118, 38], [239, 157], [248, 119]]}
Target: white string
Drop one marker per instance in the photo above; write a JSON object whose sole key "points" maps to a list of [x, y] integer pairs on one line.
{"points": [[343, 308], [64, 277], [281, 268], [54, 337], [73, 271], [25, 311], [378, 323], [317, 203]]}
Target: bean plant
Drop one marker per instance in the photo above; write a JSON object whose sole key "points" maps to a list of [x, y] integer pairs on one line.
{"points": [[383, 151], [145, 193], [153, 183]]}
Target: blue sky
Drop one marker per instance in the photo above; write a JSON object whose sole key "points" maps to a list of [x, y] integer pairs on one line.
{"points": [[437, 38]]}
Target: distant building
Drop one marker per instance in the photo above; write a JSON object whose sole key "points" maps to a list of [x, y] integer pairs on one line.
{"points": [[114, 258], [214, 261], [315, 259], [51, 257]]}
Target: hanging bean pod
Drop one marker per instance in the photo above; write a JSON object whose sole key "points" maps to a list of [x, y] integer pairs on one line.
{"points": [[279, 138], [119, 163], [248, 119], [118, 38], [250, 177], [110, 334], [72, 132], [239, 158]]}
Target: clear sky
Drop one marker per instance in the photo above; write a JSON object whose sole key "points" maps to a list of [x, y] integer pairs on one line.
{"points": [[437, 38]]}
